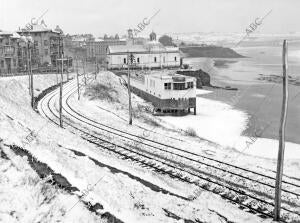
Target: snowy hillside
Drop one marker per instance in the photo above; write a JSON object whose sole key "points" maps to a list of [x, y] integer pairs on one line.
{"points": [[95, 183]]}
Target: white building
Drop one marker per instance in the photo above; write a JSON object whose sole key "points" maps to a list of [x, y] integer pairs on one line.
{"points": [[168, 92], [170, 86], [151, 54]]}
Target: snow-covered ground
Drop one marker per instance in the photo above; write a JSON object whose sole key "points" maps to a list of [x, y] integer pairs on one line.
{"points": [[122, 188], [24, 197], [125, 197], [221, 123]]}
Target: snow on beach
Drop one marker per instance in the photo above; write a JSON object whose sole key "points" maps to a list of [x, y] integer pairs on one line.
{"points": [[219, 122]]}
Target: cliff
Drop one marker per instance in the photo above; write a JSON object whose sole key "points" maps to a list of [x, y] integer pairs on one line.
{"points": [[209, 51]]}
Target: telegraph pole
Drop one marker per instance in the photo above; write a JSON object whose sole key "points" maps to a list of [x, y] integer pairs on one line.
{"points": [[281, 135], [77, 78], [68, 68], [83, 64], [57, 64], [129, 90], [61, 83], [96, 68], [31, 81], [28, 72]]}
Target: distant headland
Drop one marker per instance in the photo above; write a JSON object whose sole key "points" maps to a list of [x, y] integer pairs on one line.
{"points": [[209, 51]]}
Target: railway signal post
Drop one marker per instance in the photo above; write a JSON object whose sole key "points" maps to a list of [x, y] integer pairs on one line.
{"points": [[281, 136]]}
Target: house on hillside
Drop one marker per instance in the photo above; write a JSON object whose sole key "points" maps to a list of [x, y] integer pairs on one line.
{"points": [[9, 45], [46, 46]]}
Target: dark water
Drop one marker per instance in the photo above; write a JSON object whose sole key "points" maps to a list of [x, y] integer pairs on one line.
{"points": [[261, 100]]}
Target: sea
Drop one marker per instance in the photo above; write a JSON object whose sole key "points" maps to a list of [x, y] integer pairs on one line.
{"points": [[261, 99]]}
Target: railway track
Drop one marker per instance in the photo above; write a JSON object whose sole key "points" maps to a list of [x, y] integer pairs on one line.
{"points": [[152, 155]]}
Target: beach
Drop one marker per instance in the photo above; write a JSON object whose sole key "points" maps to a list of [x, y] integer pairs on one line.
{"points": [[258, 100]]}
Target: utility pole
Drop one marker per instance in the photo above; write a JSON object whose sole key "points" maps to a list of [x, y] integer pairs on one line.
{"points": [[129, 90], [96, 68], [28, 72], [77, 78], [57, 64], [83, 64], [61, 82], [68, 68], [31, 79], [281, 135]]}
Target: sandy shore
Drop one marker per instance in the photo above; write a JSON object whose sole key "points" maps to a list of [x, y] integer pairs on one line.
{"points": [[222, 123]]}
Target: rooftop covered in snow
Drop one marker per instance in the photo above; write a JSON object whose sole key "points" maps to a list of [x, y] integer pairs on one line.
{"points": [[151, 46]]}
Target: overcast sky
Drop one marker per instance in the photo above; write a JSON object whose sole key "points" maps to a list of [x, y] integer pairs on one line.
{"points": [[116, 16]]}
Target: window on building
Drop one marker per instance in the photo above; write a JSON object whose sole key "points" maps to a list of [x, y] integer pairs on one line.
{"points": [[190, 84], [167, 86], [15, 62], [138, 60], [175, 58], [124, 60], [2, 63], [45, 42], [46, 52], [179, 86], [154, 59]]}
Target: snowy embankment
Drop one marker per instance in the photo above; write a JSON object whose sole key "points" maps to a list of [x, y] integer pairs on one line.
{"points": [[103, 182], [24, 196]]}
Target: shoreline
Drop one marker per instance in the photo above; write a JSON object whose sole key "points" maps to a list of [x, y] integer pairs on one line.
{"points": [[262, 102], [225, 125], [259, 98]]}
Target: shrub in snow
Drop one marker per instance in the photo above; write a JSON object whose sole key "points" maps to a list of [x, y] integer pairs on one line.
{"points": [[100, 91], [190, 132]]}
